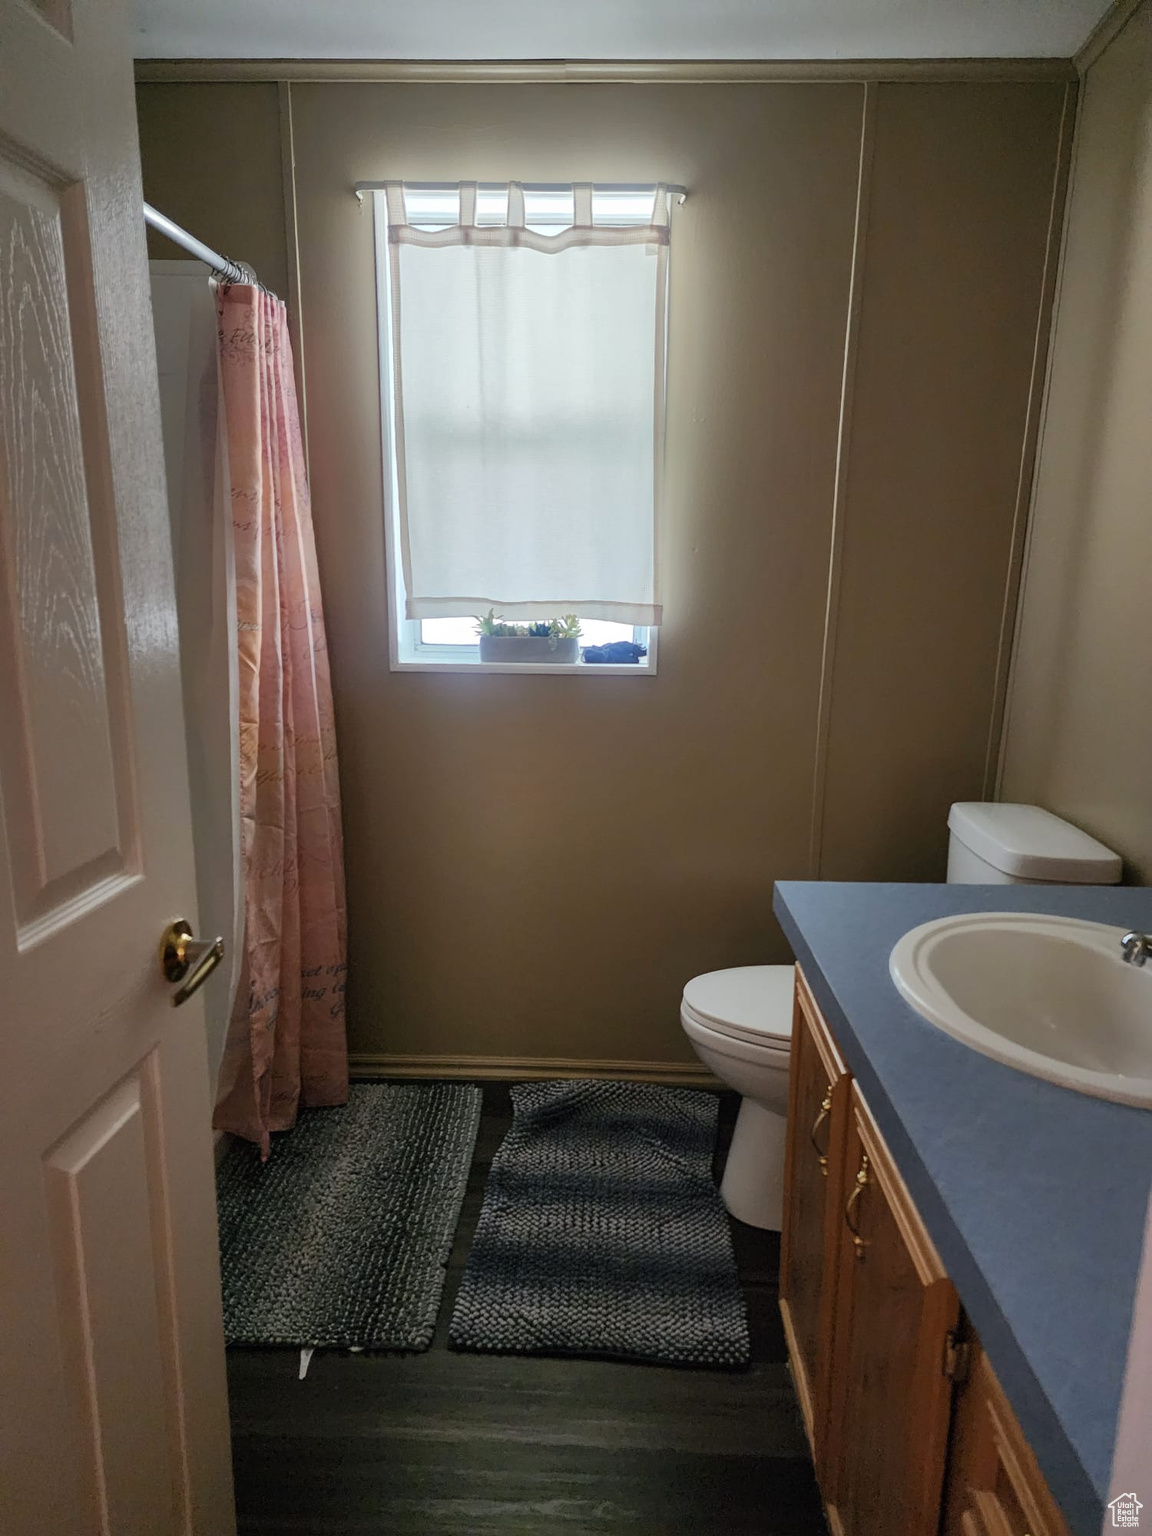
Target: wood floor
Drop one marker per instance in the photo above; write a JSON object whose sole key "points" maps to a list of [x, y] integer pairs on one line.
{"points": [[442, 1444]]}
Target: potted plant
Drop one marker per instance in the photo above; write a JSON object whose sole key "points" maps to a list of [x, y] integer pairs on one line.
{"points": [[557, 641]]}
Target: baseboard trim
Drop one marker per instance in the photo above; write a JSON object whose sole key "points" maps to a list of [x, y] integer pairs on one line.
{"points": [[684, 1074]]}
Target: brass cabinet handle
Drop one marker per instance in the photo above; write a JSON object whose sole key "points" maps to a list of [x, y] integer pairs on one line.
{"points": [[861, 1184], [187, 960], [825, 1111]]}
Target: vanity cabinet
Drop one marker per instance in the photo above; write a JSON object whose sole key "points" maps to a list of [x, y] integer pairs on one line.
{"points": [[909, 1429]]}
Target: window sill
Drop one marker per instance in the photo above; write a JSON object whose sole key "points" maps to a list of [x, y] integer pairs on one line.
{"points": [[567, 669]]}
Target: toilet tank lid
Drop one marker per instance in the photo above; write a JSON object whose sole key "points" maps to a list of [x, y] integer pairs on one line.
{"points": [[1032, 844]]}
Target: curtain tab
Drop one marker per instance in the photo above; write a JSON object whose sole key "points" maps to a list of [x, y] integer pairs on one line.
{"points": [[468, 204], [515, 205], [394, 198], [582, 204]]}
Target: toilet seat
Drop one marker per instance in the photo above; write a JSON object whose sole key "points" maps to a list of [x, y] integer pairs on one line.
{"points": [[752, 1003]]}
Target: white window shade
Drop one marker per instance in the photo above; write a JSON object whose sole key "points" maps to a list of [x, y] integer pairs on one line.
{"points": [[526, 336]]}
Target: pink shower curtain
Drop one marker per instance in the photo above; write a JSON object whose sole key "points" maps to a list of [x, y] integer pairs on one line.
{"points": [[286, 1043]]}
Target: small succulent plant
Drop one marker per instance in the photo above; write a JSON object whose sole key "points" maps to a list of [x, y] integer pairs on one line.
{"points": [[552, 630]]}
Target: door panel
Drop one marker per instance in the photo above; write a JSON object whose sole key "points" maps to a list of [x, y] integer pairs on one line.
{"points": [[895, 1307], [100, 1208], [813, 1179], [62, 844], [994, 1486], [112, 1393]]}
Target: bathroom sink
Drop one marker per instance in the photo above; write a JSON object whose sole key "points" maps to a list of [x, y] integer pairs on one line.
{"points": [[1051, 996]]}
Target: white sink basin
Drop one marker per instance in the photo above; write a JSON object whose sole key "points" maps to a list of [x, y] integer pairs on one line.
{"points": [[1048, 995]]}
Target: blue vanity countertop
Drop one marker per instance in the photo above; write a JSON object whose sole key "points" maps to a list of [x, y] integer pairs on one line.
{"points": [[1034, 1195]]}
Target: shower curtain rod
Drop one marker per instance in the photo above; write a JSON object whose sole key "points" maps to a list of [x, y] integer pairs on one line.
{"points": [[222, 266]]}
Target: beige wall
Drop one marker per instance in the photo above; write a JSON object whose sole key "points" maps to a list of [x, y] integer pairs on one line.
{"points": [[1079, 727], [537, 864], [211, 161], [953, 270]]}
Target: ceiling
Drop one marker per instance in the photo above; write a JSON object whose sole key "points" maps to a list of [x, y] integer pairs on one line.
{"points": [[613, 29]]}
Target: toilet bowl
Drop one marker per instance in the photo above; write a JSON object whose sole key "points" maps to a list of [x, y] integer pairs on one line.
{"points": [[739, 1022]]}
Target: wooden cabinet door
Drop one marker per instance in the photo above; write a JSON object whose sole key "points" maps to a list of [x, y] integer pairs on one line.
{"points": [[813, 1196], [895, 1309], [994, 1487]]}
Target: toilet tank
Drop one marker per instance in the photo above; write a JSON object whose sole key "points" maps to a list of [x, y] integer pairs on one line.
{"points": [[993, 843]]}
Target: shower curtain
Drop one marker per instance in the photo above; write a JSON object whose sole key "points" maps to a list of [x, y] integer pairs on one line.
{"points": [[286, 1043]]}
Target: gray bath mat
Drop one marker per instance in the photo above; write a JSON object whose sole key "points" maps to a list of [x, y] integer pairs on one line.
{"points": [[341, 1238], [602, 1232]]}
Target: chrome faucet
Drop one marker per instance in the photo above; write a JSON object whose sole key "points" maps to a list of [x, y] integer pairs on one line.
{"points": [[1137, 948]]}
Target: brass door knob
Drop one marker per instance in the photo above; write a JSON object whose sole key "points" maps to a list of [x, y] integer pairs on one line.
{"points": [[187, 960]]}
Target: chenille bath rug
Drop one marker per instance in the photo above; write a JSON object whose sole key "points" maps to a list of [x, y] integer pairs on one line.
{"points": [[602, 1232], [340, 1239]]}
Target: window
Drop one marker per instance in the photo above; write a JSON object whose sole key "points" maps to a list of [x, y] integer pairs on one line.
{"points": [[522, 341]]}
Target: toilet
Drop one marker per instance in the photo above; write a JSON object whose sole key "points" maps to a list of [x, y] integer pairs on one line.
{"points": [[740, 1020], [740, 1024]]}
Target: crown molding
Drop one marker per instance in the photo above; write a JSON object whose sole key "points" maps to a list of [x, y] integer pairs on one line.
{"points": [[601, 72], [1105, 32]]}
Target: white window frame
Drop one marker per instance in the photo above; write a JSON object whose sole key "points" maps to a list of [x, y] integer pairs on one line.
{"points": [[407, 652]]}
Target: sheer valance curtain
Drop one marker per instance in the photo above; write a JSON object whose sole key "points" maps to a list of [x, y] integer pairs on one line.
{"points": [[523, 348]]}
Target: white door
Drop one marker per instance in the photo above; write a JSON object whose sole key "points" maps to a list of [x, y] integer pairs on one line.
{"points": [[113, 1415]]}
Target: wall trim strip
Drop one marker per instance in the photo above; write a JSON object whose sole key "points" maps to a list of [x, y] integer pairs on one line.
{"points": [[602, 72], [1105, 32], [292, 252], [840, 484], [685, 1074]]}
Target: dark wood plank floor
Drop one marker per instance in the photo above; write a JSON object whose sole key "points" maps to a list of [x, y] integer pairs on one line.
{"points": [[442, 1444]]}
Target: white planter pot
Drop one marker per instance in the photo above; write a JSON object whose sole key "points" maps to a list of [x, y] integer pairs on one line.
{"points": [[532, 649]]}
